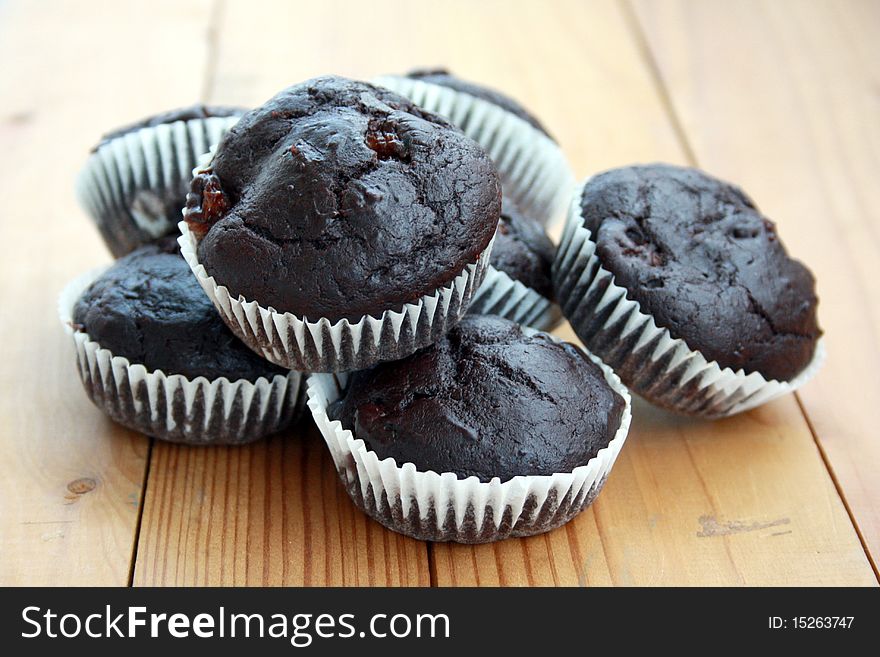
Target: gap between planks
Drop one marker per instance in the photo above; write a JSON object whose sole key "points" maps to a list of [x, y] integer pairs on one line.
{"points": [[838, 487], [212, 36], [142, 500]]}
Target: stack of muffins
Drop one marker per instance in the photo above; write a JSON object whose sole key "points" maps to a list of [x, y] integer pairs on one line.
{"points": [[377, 252]]}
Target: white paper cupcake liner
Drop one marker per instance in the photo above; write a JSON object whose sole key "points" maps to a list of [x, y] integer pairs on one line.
{"points": [[325, 346], [652, 363], [499, 294], [441, 507], [172, 407], [534, 172], [134, 186]]}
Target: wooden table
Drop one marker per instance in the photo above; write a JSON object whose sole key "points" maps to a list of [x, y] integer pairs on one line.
{"points": [[779, 96]]}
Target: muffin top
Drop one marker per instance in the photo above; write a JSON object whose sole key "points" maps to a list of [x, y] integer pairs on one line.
{"points": [[198, 111], [700, 258], [340, 199], [444, 78], [149, 308], [523, 251], [486, 401]]}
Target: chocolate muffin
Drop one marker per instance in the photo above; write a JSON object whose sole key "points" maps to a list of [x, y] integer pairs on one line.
{"points": [[533, 169], [135, 181], [701, 259], [154, 355], [444, 78], [149, 308], [337, 199], [487, 401], [523, 251]]}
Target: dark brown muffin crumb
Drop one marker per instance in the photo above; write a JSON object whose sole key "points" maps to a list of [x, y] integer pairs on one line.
{"points": [[149, 308], [700, 258], [523, 251], [486, 401], [339, 199]]}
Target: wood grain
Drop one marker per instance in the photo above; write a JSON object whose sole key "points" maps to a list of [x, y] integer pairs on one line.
{"points": [[70, 481], [783, 98], [270, 514], [747, 500]]}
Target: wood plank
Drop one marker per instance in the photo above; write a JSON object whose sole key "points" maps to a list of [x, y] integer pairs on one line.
{"points": [[268, 514], [70, 480], [782, 97]]}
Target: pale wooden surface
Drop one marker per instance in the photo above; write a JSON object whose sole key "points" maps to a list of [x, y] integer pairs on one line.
{"points": [[780, 97], [270, 513], [794, 119], [68, 73]]}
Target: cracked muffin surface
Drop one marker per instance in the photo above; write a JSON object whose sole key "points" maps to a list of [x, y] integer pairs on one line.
{"points": [[701, 259], [487, 401], [339, 199], [149, 308]]}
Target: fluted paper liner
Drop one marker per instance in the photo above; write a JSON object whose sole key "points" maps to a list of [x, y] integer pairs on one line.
{"points": [[324, 346], [173, 407], [441, 507], [499, 294], [125, 182], [534, 171], [652, 363]]}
